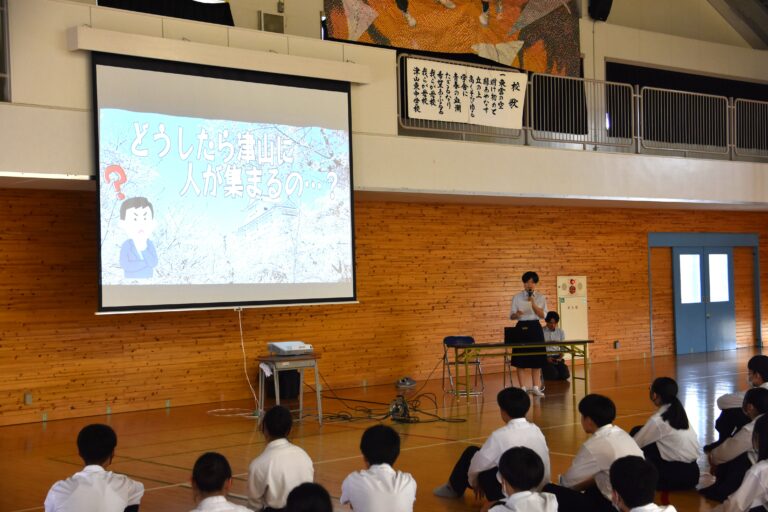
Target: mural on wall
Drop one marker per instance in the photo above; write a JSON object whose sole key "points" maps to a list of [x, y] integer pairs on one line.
{"points": [[536, 35]]}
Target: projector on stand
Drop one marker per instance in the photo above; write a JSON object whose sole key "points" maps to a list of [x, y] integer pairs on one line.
{"points": [[288, 348]]}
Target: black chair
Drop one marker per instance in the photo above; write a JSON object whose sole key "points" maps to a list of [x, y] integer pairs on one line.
{"points": [[448, 343]]}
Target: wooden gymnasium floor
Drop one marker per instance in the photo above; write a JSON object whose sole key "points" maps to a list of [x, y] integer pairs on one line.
{"points": [[159, 447]]}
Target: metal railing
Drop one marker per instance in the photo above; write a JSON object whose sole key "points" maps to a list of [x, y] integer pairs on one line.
{"points": [[575, 110], [594, 113], [683, 121], [750, 128]]}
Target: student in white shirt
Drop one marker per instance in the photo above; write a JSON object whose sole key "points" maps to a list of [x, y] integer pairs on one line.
{"points": [[586, 485], [634, 483], [281, 466], [732, 418], [668, 440], [752, 495], [94, 489], [309, 497], [379, 487], [521, 471], [730, 461], [528, 308], [477, 467], [555, 369], [211, 481]]}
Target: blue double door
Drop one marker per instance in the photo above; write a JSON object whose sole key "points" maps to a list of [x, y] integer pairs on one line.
{"points": [[705, 318]]}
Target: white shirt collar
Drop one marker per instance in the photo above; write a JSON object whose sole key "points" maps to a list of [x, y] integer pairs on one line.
{"points": [[514, 421], [386, 468], [277, 442], [94, 468], [603, 430], [517, 496], [210, 501]]}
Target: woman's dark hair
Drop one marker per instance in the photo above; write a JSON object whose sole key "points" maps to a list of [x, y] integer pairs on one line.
{"points": [[666, 389], [760, 437]]}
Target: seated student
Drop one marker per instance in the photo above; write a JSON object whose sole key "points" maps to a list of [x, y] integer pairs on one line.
{"points": [[281, 466], [731, 460], [586, 486], [211, 481], [752, 495], [555, 369], [634, 483], [521, 471], [379, 487], [732, 418], [477, 467], [309, 497], [668, 440], [94, 489]]}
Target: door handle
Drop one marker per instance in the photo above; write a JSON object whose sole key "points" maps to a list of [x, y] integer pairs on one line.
{"points": [[708, 315]]}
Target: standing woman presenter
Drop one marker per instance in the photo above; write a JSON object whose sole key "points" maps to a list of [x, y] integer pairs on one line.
{"points": [[528, 308]]}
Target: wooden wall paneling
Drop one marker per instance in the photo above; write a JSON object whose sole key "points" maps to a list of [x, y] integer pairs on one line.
{"points": [[744, 296], [663, 301], [424, 271]]}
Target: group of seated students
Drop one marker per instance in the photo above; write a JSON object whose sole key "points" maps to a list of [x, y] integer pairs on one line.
{"points": [[511, 471]]}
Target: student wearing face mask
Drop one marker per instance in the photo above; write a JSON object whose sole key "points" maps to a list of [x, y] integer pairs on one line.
{"points": [[732, 418], [520, 473], [668, 440], [634, 483]]}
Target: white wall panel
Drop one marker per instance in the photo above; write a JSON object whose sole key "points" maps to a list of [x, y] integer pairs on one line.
{"points": [[374, 105], [125, 21]]}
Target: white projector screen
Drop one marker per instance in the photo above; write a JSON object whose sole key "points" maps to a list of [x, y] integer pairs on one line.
{"points": [[221, 188]]}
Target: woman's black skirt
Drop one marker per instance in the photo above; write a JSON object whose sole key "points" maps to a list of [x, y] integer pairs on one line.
{"points": [[529, 331]]}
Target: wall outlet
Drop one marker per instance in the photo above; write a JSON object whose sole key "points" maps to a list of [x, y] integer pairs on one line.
{"points": [[616, 344], [27, 398], [365, 383]]}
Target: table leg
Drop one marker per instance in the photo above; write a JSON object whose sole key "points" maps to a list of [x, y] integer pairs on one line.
{"points": [[586, 369], [260, 410], [318, 395], [573, 370], [276, 373], [301, 394]]}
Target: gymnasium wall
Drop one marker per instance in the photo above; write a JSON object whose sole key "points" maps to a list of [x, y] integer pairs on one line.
{"points": [[424, 271]]}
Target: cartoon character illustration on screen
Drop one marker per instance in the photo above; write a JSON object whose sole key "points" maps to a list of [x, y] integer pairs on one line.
{"points": [[138, 256]]}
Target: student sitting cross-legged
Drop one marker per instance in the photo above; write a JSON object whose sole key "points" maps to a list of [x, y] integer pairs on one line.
{"points": [[732, 417], [309, 497], [477, 467], [94, 489], [586, 485], [379, 487], [281, 466], [211, 481], [521, 471], [752, 495], [634, 483], [731, 460], [668, 440]]}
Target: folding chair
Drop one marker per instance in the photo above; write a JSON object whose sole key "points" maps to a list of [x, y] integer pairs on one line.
{"points": [[448, 343]]}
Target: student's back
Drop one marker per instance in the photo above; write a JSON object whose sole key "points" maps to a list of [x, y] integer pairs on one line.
{"points": [[94, 489], [380, 487]]}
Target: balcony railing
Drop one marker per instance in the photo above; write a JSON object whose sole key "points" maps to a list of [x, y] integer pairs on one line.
{"points": [[595, 114]]}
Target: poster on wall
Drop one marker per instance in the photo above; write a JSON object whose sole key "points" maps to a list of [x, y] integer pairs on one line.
{"points": [[439, 91], [536, 35]]}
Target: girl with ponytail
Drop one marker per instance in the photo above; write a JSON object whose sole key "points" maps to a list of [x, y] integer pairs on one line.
{"points": [[668, 440]]}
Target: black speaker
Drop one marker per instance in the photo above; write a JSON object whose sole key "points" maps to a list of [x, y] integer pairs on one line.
{"points": [[600, 9]]}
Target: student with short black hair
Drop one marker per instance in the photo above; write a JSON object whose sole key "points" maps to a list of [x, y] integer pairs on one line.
{"points": [[521, 471], [309, 497], [379, 487], [752, 495], [668, 440], [280, 467], [94, 489], [555, 369], [732, 417], [477, 466], [211, 481], [634, 483], [586, 484], [528, 308], [730, 461]]}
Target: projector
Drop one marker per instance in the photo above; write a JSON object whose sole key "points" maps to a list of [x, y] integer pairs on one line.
{"points": [[289, 348]]}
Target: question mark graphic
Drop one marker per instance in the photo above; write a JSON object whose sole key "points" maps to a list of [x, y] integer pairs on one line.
{"points": [[332, 175], [116, 169]]}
